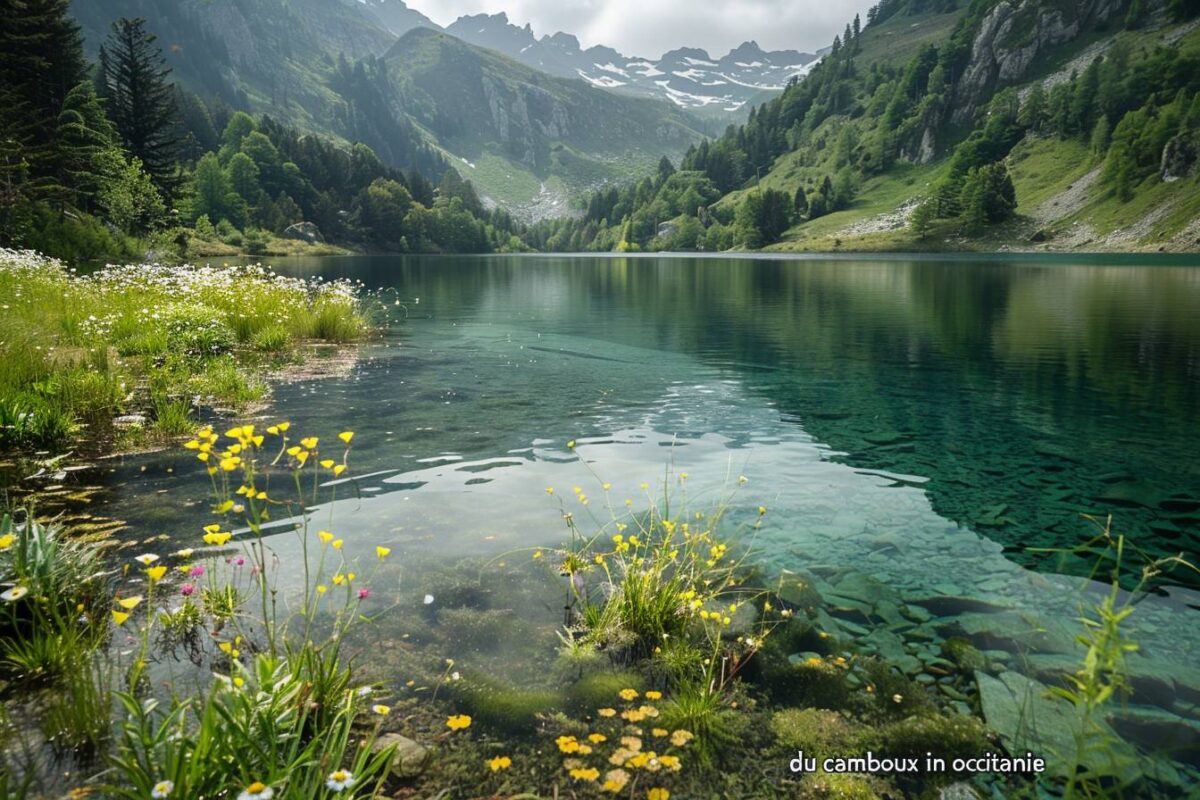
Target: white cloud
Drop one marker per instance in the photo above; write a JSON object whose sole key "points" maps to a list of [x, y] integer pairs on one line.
{"points": [[648, 27]]}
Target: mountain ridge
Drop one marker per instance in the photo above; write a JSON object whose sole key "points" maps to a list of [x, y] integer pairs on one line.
{"points": [[689, 77], [504, 123]]}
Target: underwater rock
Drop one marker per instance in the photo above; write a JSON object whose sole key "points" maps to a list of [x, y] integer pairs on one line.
{"points": [[1152, 682], [1011, 631], [965, 655], [953, 605], [799, 591], [1131, 493], [1160, 732], [411, 756], [1027, 719]]}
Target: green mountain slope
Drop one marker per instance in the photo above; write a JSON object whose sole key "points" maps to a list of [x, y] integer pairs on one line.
{"points": [[334, 67], [940, 125], [526, 139]]}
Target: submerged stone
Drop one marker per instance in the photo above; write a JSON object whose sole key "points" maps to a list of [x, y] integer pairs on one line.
{"points": [[1012, 631], [411, 757], [1160, 732], [1027, 718]]}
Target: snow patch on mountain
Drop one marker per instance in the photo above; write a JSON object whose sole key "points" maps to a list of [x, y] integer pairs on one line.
{"points": [[689, 77]]}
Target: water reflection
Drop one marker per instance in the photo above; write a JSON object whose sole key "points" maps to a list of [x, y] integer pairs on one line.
{"points": [[1025, 392]]}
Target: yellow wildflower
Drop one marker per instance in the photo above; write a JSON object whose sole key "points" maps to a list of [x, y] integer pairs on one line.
{"points": [[589, 774], [658, 794], [615, 780], [346, 436], [628, 694], [383, 552], [652, 695], [119, 617], [607, 712], [129, 603], [458, 722], [681, 737], [156, 573], [499, 762]]}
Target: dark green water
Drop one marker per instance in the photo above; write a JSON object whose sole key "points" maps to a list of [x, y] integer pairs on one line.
{"points": [[915, 426]]}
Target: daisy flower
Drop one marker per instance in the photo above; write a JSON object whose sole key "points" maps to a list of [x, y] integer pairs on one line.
{"points": [[338, 780]]}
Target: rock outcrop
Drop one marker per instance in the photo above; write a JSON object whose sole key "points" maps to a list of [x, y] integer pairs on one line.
{"points": [[1179, 157], [305, 232], [1012, 36]]}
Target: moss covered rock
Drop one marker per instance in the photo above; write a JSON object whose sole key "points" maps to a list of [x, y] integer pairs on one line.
{"points": [[964, 654], [818, 732], [600, 690], [841, 787], [946, 736], [497, 705]]}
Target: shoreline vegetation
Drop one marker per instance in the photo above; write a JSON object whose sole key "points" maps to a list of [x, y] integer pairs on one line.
{"points": [[129, 356], [222, 664]]}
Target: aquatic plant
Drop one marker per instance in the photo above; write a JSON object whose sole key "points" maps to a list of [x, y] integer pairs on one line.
{"points": [[663, 582], [1094, 767]]}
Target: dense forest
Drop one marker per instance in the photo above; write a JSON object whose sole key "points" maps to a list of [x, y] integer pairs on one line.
{"points": [[857, 115], [111, 159]]}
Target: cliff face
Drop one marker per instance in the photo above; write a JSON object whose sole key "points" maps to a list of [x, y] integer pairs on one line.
{"points": [[1011, 38]]}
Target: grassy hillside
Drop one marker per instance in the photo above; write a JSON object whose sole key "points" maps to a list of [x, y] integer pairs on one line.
{"points": [[526, 139], [1062, 203], [947, 125]]}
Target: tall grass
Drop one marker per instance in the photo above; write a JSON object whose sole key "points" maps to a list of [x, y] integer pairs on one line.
{"points": [[76, 350]]}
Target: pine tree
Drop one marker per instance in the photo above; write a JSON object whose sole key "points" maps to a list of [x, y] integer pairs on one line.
{"points": [[665, 169], [1101, 136], [1033, 111], [921, 219], [41, 61], [141, 101], [800, 202], [85, 151]]}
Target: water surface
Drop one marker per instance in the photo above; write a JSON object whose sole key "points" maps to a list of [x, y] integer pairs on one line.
{"points": [[920, 429]]}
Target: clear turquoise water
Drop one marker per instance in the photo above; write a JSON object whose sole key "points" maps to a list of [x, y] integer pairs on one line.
{"points": [[915, 426]]}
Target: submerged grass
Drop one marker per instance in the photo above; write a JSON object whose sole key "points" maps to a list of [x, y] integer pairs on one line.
{"points": [[148, 342]]}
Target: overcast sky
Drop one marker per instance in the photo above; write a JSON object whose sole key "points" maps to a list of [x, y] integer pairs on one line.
{"points": [[650, 27]]}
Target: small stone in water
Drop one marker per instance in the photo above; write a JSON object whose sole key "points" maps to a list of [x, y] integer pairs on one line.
{"points": [[428, 599]]}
